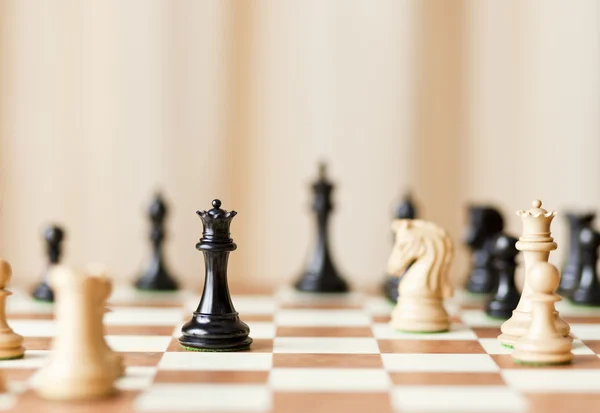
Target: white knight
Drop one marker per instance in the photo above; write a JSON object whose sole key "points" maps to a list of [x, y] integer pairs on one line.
{"points": [[426, 250]]}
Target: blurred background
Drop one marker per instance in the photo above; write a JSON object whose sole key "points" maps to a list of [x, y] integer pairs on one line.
{"points": [[464, 102]]}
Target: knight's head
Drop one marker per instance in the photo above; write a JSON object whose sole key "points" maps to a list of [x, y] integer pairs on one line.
{"points": [[484, 223], [408, 245]]}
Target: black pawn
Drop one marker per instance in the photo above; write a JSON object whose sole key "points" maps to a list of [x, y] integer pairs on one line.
{"points": [[588, 291], [571, 273], [215, 325], [506, 296], [53, 236], [405, 210], [321, 276], [485, 223], [156, 277]]}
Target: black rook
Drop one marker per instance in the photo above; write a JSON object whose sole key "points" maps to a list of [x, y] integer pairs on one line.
{"points": [[215, 325]]}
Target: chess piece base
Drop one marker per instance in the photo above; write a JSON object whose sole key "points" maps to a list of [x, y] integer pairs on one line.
{"points": [[543, 350], [215, 332], [517, 326], [11, 345], [156, 278], [72, 389], [151, 282], [322, 283], [420, 315], [43, 292]]}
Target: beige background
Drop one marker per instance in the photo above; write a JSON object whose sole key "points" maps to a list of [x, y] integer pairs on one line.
{"points": [[473, 101]]}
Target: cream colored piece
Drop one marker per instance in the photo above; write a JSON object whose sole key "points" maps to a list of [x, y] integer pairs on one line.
{"points": [[11, 343], [424, 286], [536, 243], [2, 382], [543, 344], [103, 289], [77, 369]]}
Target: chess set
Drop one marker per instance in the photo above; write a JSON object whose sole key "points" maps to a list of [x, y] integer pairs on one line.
{"points": [[78, 343]]}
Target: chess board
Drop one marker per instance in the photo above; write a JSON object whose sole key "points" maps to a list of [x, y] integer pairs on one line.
{"points": [[312, 354]]}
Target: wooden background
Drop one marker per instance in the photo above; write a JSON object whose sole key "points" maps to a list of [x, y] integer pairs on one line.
{"points": [[464, 101]]}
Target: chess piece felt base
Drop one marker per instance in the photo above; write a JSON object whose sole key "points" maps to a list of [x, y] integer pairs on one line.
{"points": [[420, 315], [43, 292], [215, 332], [481, 281]]}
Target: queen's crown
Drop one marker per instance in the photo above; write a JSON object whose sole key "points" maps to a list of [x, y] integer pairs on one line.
{"points": [[536, 223], [216, 222]]}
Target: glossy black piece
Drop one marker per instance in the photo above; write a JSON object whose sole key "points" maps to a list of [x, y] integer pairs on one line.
{"points": [[321, 275], [53, 237], [485, 223], [405, 210], [215, 325], [156, 276], [571, 273], [588, 290], [506, 295]]}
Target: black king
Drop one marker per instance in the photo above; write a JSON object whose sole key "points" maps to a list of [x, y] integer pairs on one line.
{"points": [[321, 275], [215, 325]]}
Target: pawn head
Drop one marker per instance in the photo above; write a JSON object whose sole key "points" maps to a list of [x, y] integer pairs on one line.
{"points": [[54, 234], [543, 278], [5, 273]]}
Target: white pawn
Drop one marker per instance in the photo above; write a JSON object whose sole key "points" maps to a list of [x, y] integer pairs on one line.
{"points": [[77, 369], [11, 343], [543, 344]]}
